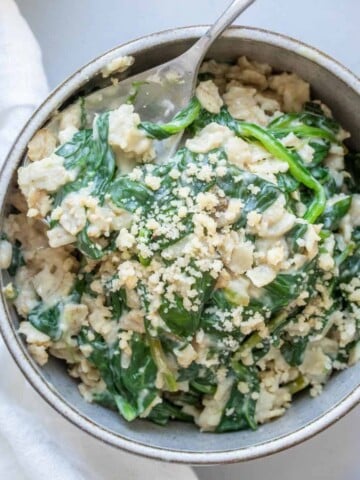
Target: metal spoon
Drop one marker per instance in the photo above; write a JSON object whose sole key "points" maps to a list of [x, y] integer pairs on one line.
{"points": [[167, 88]]}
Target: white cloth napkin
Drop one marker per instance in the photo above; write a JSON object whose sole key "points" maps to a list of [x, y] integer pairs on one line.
{"points": [[36, 443]]}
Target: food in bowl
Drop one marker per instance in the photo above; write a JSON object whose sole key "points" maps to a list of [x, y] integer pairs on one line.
{"points": [[210, 288]]}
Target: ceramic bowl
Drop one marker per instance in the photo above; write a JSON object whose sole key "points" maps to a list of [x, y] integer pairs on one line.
{"points": [[181, 442]]}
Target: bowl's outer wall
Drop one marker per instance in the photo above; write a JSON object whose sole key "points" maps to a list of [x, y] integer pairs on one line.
{"points": [[178, 441]]}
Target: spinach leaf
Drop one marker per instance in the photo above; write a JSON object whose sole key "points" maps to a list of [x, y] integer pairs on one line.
{"points": [[17, 259], [334, 213], [102, 157], [205, 384], [280, 292], [155, 344], [294, 347], [201, 379], [185, 322], [132, 388], [255, 341], [287, 183], [87, 247], [135, 88], [293, 351], [352, 164], [182, 399], [90, 153], [239, 412], [306, 124], [326, 179], [236, 184], [181, 120], [268, 139], [296, 233], [130, 194], [139, 376], [215, 318], [104, 398], [117, 302], [46, 319], [349, 268], [321, 149], [82, 286], [180, 320], [165, 411], [313, 107], [76, 151]]}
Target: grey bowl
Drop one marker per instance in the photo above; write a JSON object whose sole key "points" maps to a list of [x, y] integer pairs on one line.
{"points": [[179, 442]]}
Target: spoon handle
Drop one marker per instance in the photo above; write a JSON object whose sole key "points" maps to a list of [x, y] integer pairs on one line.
{"points": [[199, 49]]}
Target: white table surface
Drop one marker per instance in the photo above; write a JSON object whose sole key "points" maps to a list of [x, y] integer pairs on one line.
{"points": [[72, 32]]}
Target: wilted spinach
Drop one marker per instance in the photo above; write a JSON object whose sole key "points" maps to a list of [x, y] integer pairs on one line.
{"points": [[185, 322], [17, 259], [46, 319], [239, 412], [181, 120], [90, 153], [131, 388]]}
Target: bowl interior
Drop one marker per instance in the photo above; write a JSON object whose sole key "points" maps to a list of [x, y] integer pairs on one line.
{"points": [[181, 437]]}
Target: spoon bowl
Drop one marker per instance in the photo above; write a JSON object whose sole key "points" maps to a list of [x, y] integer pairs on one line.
{"points": [[180, 442]]}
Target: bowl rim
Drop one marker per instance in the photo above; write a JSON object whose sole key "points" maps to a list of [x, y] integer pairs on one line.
{"points": [[7, 329]]}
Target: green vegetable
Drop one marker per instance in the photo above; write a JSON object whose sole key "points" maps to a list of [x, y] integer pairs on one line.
{"points": [[310, 123], [82, 286], [298, 171], [161, 362], [165, 411], [239, 412], [236, 184], [201, 379], [287, 183], [274, 326], [139, 376], [280, 292], [46, 319], [293, 351], [266, 138], [349, 262], [17, 259], [117, 303], [212, 319], [182, 119], [77, 150], [131, 388], [300, 383], [87, 247], [130, 194], [135, 88], [180, 320], [296, 233], [156, 348], [107, 360], [90, 153], [321, 149], [352, 164], [334, 213]]}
